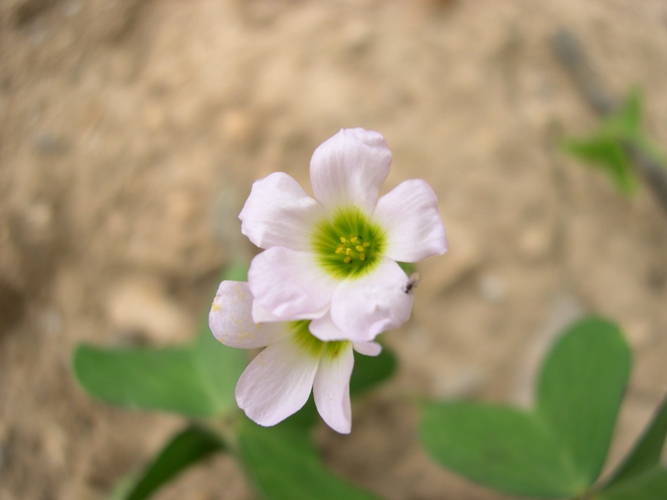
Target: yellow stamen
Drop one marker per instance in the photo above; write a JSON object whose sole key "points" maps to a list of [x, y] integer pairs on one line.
{"points": [[342, 239], [347, 259], [339, 250], [362, 256], [348, 251], [366, 244], [353, 239], [359, 248]]}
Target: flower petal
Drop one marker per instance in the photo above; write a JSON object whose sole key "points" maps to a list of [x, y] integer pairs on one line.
{"points": [[331, 389], [367, 348], [410, 214], [261, 315], [231, 321], [349, 168], [325, 329], [367, 306], [276, 383], [290, 285], [278, 212]]}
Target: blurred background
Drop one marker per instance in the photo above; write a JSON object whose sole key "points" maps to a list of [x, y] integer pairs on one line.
{"points": [[132, 131]]}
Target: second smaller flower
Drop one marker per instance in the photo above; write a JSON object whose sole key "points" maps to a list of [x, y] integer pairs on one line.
{"points": [[277, 383]]}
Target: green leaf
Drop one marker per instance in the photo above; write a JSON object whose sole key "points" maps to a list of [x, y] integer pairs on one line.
{"points": [[560, 447], [219, 368], [648, 449], [236, 271], [501, 447], [283, 465], [372, 370], [580, 391], [651, 484], [153, 379], [191, 381], [193, 444], [605, 151]]}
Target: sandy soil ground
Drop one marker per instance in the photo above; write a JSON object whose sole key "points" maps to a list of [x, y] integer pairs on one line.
{"points": [[132, 130]]}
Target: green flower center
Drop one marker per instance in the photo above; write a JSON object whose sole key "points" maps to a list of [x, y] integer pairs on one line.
{"points": [[313, 346], [348, 245]]}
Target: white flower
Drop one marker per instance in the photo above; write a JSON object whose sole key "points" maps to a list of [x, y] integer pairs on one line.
{"points": [[333, 259], [278, 381]]}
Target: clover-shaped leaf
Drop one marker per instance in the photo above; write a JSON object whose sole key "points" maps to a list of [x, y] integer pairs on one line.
{"points": [[556, 449]]}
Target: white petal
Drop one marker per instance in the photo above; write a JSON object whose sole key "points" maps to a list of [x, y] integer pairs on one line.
{"points": [[325, 329], [349, 168], [370, 305], [367, 348], [231, 321], [332, 390], [410, 214], [278, 212], [276, 383], [290, 285], [261, 315]]}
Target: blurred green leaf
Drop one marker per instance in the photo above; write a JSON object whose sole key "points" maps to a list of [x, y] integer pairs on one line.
{"points": [[193, 444], [372, 370], [219, 368], [556, 450], [151, 379], [606, 152], [498, 446], [236, 271], [283, 465], [651, 484], [648, 449], [618, 134], [580, 390]]}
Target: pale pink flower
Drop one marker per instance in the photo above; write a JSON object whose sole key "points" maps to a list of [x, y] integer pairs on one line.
{"points": [[333, 259], [277, 383]]}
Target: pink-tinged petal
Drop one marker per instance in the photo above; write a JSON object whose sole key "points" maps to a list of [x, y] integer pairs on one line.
{"points": [[325, 329], [331, 389], [410, 215], [365, 307], [367, 348], [290, 285], [278, 212], [276, 383], [231, 321], [349, 169]]}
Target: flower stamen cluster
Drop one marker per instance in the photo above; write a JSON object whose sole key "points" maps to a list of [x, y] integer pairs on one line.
{"points": [[347, 247]]}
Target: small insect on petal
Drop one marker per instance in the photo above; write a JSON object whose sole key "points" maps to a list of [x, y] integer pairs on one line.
{"points": [[413, 281]]}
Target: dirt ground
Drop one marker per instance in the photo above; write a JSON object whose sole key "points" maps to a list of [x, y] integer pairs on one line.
{"points": [[131, 133]]}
